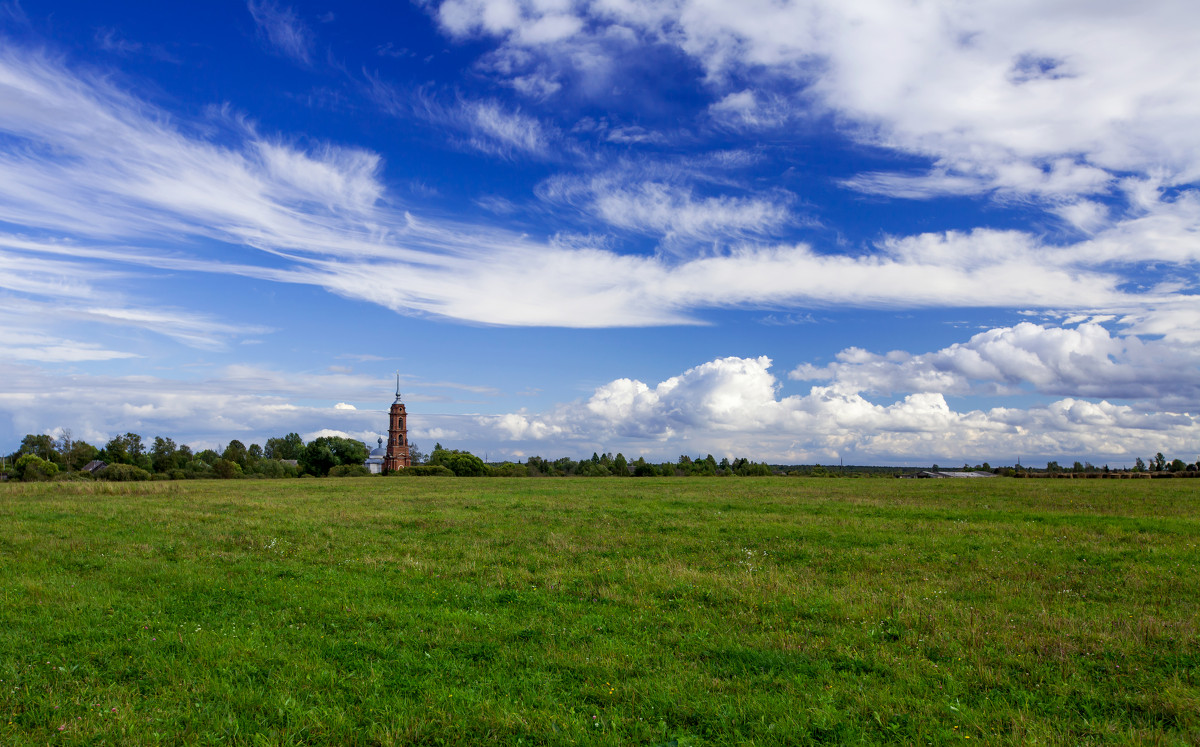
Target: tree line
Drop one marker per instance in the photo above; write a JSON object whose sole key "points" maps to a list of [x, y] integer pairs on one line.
{"points": [[465, 464], [130, 457]]}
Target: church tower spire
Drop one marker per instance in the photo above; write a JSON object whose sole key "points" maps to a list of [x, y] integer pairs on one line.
{"points": [[397, 456]]}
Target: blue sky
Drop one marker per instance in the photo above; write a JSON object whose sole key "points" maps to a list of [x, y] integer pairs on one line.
{"points": [[891, 233]]}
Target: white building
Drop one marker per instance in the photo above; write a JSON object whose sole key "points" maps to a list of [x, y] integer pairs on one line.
{"points": [[374, 463]]}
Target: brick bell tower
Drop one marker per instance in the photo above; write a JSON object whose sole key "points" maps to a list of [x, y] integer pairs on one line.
{"points": [[397, 456]]}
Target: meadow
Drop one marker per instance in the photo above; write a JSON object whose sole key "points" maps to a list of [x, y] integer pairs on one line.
{"points": [[702, 611]]}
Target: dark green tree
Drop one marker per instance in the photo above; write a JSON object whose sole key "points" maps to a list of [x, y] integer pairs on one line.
{"points": [[124, 449], [80, 454], [235, 452], [227, 468], [642, 468], [40, 445], [164, 455], [324, 453], [620, 466], [287, 447]]}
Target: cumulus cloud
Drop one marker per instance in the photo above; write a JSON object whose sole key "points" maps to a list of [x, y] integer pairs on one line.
{"points": [[734, 406], [1082, 361]]}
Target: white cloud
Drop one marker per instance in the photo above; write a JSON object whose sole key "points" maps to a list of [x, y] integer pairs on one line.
{"points": [[250, 403], [746, 109], [999, 95], [283, 29], [128, 186], [624, 199], [732, 406], [495, 130], [1084, 361]]}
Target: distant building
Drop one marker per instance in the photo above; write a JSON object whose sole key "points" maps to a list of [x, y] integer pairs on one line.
{"points": [[94, 466], [396, 456], [374, 463]]}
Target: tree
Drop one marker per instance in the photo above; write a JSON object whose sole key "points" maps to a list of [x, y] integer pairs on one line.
{"points": [[461, 463], [641, 468], [594, 469], [126, 449], [1177, 465], [415, 455], [325, 453], [80, 454], [1139, 465], [287, 447], [164, 455], [40, 445], [620, 466], [1160, 462], [235, 452]]}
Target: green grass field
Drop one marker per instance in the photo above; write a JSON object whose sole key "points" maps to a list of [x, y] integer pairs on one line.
{"points": [[602, 611]]}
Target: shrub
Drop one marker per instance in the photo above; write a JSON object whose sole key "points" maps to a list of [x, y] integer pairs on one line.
{"points": [[72, 477], [508, 469], [349, 470], [227, 469], [123, 473], [425, 470], [32, 468], [275, 468]]}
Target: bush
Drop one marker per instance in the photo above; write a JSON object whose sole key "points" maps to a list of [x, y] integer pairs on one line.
{"points": [[123, 473], [227, 469], [275, 468], [349, 470], [32, 468], [72, 477], [508, 469], [425, 470]]}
